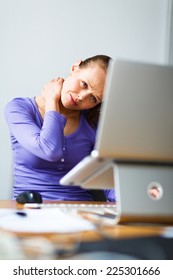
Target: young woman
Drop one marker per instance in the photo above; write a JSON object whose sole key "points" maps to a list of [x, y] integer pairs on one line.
{"points": [[52, 132]]}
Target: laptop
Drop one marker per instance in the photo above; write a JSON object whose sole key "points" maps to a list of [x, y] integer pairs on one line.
{"points": [[133, 152]]}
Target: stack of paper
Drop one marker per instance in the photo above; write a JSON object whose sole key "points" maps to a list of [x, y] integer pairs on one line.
{"points": [[43, 220]]}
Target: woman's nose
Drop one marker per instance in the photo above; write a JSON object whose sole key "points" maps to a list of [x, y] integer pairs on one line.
{"points": [[82, 95]]}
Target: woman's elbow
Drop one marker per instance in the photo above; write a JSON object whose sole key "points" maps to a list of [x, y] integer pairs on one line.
{"points": [[53, 155]]}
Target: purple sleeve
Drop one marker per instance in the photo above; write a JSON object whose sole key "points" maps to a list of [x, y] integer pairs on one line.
{"points": [[45, 142], [110, 195]]}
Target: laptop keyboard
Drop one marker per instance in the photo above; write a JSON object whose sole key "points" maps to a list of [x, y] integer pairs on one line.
{"points": [[99, 208]]}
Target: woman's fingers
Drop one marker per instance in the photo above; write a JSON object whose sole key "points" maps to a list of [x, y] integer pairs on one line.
{"points": [[53, 88], [56, 79]]}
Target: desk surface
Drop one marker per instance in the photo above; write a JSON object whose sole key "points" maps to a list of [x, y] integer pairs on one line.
{"points": [[138, 241], [117, 231]]}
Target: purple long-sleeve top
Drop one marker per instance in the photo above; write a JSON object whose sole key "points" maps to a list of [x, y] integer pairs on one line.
{"points": [[42, 155]]}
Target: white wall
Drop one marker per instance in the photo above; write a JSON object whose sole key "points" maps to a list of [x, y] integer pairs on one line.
{"points": [[39, 39]]}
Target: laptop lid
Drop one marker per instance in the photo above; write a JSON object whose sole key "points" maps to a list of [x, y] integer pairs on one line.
{"points": [[137, 117]]}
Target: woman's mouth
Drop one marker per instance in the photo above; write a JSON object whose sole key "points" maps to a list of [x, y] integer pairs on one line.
{"points": [[72, 101]]}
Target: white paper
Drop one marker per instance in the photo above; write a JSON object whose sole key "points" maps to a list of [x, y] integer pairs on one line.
{"points": [[53, 220]]}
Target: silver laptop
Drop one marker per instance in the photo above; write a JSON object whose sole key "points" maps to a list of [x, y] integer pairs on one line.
{"points": [[134, 142]]}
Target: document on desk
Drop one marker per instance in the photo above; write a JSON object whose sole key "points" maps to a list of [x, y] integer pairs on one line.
{"points": [[51, 220]]}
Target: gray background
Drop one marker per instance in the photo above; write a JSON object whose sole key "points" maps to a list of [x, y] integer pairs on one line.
{"points": [[40, 39]]}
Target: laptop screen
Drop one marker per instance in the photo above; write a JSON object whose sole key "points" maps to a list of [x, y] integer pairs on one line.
{"points": [[137, 117]]}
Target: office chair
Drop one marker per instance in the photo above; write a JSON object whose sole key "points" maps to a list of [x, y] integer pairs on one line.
{"points": [[98, 195]]}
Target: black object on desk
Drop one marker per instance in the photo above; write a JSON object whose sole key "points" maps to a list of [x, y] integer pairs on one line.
{"points": [[29, 197]]}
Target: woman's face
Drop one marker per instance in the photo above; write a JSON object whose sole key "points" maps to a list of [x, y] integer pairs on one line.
{"points": [[83, 89]]}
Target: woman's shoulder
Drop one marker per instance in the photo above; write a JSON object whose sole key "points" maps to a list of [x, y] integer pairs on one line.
{"points": [[22, 103]]}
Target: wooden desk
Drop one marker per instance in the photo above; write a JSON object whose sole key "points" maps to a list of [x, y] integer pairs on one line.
{"points": [[117, 231]]}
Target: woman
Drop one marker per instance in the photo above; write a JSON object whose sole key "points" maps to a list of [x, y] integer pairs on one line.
{"points": [[52, 132]]}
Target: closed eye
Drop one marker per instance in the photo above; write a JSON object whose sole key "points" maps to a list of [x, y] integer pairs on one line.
{"points": [[93, 99]]}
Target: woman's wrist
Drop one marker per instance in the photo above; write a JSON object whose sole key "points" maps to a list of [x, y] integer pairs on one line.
{"points": [[51, 104]]}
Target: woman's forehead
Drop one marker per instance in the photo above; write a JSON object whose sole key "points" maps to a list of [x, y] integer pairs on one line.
{"points": [[95, 75]]}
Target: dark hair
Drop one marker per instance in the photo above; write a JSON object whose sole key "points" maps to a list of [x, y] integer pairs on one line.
{"points": [[102, 60]]}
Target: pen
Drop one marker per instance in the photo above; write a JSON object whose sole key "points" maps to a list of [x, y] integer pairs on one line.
{"points": [[21, 213]]}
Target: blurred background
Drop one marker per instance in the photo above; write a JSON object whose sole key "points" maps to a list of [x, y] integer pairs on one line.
{"points": [[40, 39]]}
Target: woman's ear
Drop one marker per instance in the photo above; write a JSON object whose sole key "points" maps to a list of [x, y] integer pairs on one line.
{"points": [[75, 66]]}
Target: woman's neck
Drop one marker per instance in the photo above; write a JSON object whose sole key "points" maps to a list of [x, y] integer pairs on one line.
{"points": [[72, 116], [67, 113]]}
